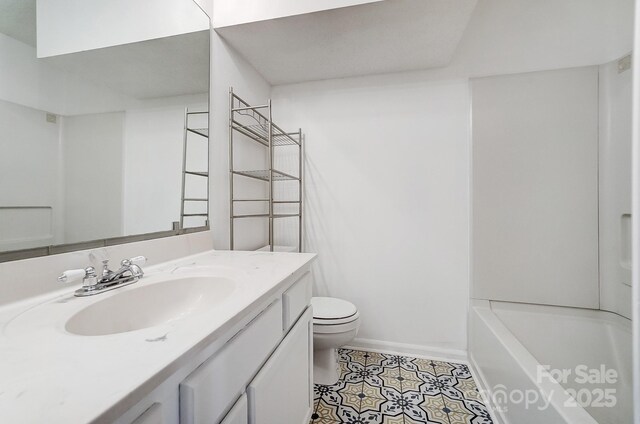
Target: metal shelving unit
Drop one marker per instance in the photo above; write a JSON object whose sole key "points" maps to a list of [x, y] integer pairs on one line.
{"points": [[264, 131], [203, 135]]}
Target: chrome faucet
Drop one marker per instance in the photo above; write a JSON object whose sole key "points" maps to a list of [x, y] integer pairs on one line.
{"points": [[128, 268], [129, 272]]}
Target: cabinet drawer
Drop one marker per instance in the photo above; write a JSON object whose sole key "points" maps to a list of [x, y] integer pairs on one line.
{"points": [[239, 413], [295, 300], [281, 392], [208, 392]]}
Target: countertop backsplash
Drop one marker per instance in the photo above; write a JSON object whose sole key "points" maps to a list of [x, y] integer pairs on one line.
{"points": [[27, 278]]}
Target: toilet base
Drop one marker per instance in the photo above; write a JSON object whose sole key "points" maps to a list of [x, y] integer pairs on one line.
{"points": [[325, 366]]}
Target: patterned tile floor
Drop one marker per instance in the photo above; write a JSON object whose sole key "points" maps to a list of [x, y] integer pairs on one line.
{"points": [[377, 388]]}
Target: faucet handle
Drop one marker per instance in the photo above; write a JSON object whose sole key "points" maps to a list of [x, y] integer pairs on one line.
{"points": [[72, 275], [105, 268], [137, 260]]}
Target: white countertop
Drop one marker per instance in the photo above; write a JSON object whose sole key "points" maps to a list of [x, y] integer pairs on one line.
{"points": [[48, 375]]}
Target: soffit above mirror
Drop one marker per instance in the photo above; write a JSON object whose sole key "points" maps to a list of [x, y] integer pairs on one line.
{"points": [[151, 65], [163, 67], [236, 12]]}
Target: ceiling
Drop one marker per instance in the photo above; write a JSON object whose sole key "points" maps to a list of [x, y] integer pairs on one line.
{"points": [[18, 20], [374, 38], [163, 67]]}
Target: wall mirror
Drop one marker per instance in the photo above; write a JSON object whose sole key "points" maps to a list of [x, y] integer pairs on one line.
{"points": [[93, 142]]}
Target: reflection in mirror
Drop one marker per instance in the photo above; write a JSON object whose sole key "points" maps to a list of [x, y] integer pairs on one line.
{"points": [[94, 144]]}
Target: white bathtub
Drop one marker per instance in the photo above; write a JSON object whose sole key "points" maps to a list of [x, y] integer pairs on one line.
{"points": [[510, 342]]}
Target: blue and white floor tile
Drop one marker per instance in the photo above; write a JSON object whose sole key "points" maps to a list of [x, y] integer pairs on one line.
{"points": [[376, 388]]}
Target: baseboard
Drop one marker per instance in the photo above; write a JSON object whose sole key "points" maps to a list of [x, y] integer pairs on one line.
{"points": [[420, 351], [309, 415], [496, 415]]}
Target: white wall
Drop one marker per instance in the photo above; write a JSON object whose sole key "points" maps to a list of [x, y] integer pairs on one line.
{"points": [[206, 6], [153, 152], [635, 196], [32, 185], [386, 200], [504, 36], [615, 188], [30, 82], [93, 176], [231, 70], [535, 187], [68, 26], [153, 140]]}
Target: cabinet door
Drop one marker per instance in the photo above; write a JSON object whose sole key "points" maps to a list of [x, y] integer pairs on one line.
{"points": [[281, 392], [209, 392], [239, 413], [153, 415]]}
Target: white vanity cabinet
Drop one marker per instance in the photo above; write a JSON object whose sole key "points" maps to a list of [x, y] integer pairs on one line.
{"points": [[239, 413], [153, 415], [262, 374], [281, 392], [208, 393], [295, 300]]}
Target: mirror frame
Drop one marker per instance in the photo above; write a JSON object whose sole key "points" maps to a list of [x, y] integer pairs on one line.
{"points": [[35, 252]]}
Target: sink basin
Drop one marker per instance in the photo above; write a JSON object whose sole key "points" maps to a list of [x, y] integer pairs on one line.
{"points": [[150, 305]]}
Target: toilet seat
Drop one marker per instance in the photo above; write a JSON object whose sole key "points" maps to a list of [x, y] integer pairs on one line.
{"points": [[329, 311], [335, 327]]}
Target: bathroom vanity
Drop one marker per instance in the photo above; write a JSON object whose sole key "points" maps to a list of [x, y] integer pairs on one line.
{"points": [[229, 340]]}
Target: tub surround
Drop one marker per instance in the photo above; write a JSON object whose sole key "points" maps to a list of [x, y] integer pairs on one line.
{"points": [[52, 375]]}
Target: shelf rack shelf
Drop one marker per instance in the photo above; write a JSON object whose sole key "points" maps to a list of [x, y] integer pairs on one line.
{"points": [[260, 133], [256, 123], [200, 131], [264, 174]]}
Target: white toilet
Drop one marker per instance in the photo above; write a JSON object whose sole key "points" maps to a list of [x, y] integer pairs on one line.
{"points": [[335, 323]]}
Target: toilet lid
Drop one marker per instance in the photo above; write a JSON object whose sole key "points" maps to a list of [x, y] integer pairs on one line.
{"points": [[330, 308]]}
